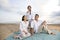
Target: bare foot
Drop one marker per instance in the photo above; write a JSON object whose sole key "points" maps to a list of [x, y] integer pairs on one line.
{"points": [[52, 33], [15, 36]]}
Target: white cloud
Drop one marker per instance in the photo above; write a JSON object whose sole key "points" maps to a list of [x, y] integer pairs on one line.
{"points": [[43, 7], [4, 3]]}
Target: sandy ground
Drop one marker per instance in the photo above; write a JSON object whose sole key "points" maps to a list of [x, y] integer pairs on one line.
{"points": [[7, 29]]}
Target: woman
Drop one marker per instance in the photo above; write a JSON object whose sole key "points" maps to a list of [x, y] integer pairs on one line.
{"points": [[29, 14], [24, 28]]}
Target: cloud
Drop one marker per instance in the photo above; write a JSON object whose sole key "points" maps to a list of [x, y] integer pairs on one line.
{"points": [[55, 14], [4, 3], [17, 7], [55, 20]]}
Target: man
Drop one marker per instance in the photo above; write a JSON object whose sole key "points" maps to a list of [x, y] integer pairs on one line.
{"points": [[38, 25]]}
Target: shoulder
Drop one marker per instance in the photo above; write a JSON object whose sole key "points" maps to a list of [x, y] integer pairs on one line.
{"points": [[40, 21], [33, 21], [21, 22], [33, 13]]}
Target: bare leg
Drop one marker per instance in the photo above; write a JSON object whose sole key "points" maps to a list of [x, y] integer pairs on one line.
{"points": [[46, 29], [31, 31]]}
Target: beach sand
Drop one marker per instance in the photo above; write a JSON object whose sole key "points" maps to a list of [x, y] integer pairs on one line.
{"points": [[7, 29]]}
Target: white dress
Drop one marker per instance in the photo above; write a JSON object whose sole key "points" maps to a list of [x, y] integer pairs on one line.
{"points": [[24, 26]]}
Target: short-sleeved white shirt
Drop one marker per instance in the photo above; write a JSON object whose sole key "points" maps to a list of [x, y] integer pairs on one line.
{"points": [[35, 24]]}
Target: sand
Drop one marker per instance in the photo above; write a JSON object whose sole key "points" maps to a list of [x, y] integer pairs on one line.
{"points": [[7, 29]]}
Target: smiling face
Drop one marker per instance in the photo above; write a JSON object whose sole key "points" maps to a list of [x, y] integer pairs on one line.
{"points": [[25, 18], [36, 17], [29, 8]]}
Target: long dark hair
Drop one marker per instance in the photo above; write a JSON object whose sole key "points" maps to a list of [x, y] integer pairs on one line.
{"points": [[23, 18]]}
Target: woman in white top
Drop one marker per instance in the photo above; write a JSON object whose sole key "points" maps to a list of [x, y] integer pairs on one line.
{"points": [[23, 28], [38, 25], [29, 14]]}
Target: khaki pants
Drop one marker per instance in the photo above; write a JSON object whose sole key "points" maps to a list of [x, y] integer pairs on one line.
{"points": [[43, 27]]}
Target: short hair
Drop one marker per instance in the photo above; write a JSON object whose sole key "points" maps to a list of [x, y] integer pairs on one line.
{"points": [[28, 6], [36, 15]]}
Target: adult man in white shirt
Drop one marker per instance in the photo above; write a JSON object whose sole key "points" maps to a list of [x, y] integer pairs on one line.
{"points": [[38, 25]]}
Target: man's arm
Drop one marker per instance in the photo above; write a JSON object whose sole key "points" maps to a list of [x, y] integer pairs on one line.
{"points": [[46, 28]]}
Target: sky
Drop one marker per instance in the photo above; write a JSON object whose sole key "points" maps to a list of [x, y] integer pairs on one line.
{"points": [[11, 11]]}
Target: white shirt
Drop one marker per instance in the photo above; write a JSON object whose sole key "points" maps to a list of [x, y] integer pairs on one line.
{"points": [[23, 25], [35, 24], [30, 16]]}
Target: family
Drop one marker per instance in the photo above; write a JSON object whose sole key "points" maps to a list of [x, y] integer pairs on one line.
{"points": [[31, 24]]}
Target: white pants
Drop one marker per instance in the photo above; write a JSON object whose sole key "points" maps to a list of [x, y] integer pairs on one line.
{"points": [[45, 28], [25, 35]]}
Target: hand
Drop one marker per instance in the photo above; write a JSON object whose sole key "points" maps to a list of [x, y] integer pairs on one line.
{"points": [[25, 32]]}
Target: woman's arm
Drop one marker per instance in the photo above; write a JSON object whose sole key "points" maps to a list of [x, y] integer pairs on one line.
{"points": [[22, 29]]}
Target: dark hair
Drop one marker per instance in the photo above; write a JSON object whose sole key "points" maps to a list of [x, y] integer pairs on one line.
{"points": [[28, 6], [36, 15], [23, 17]]}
